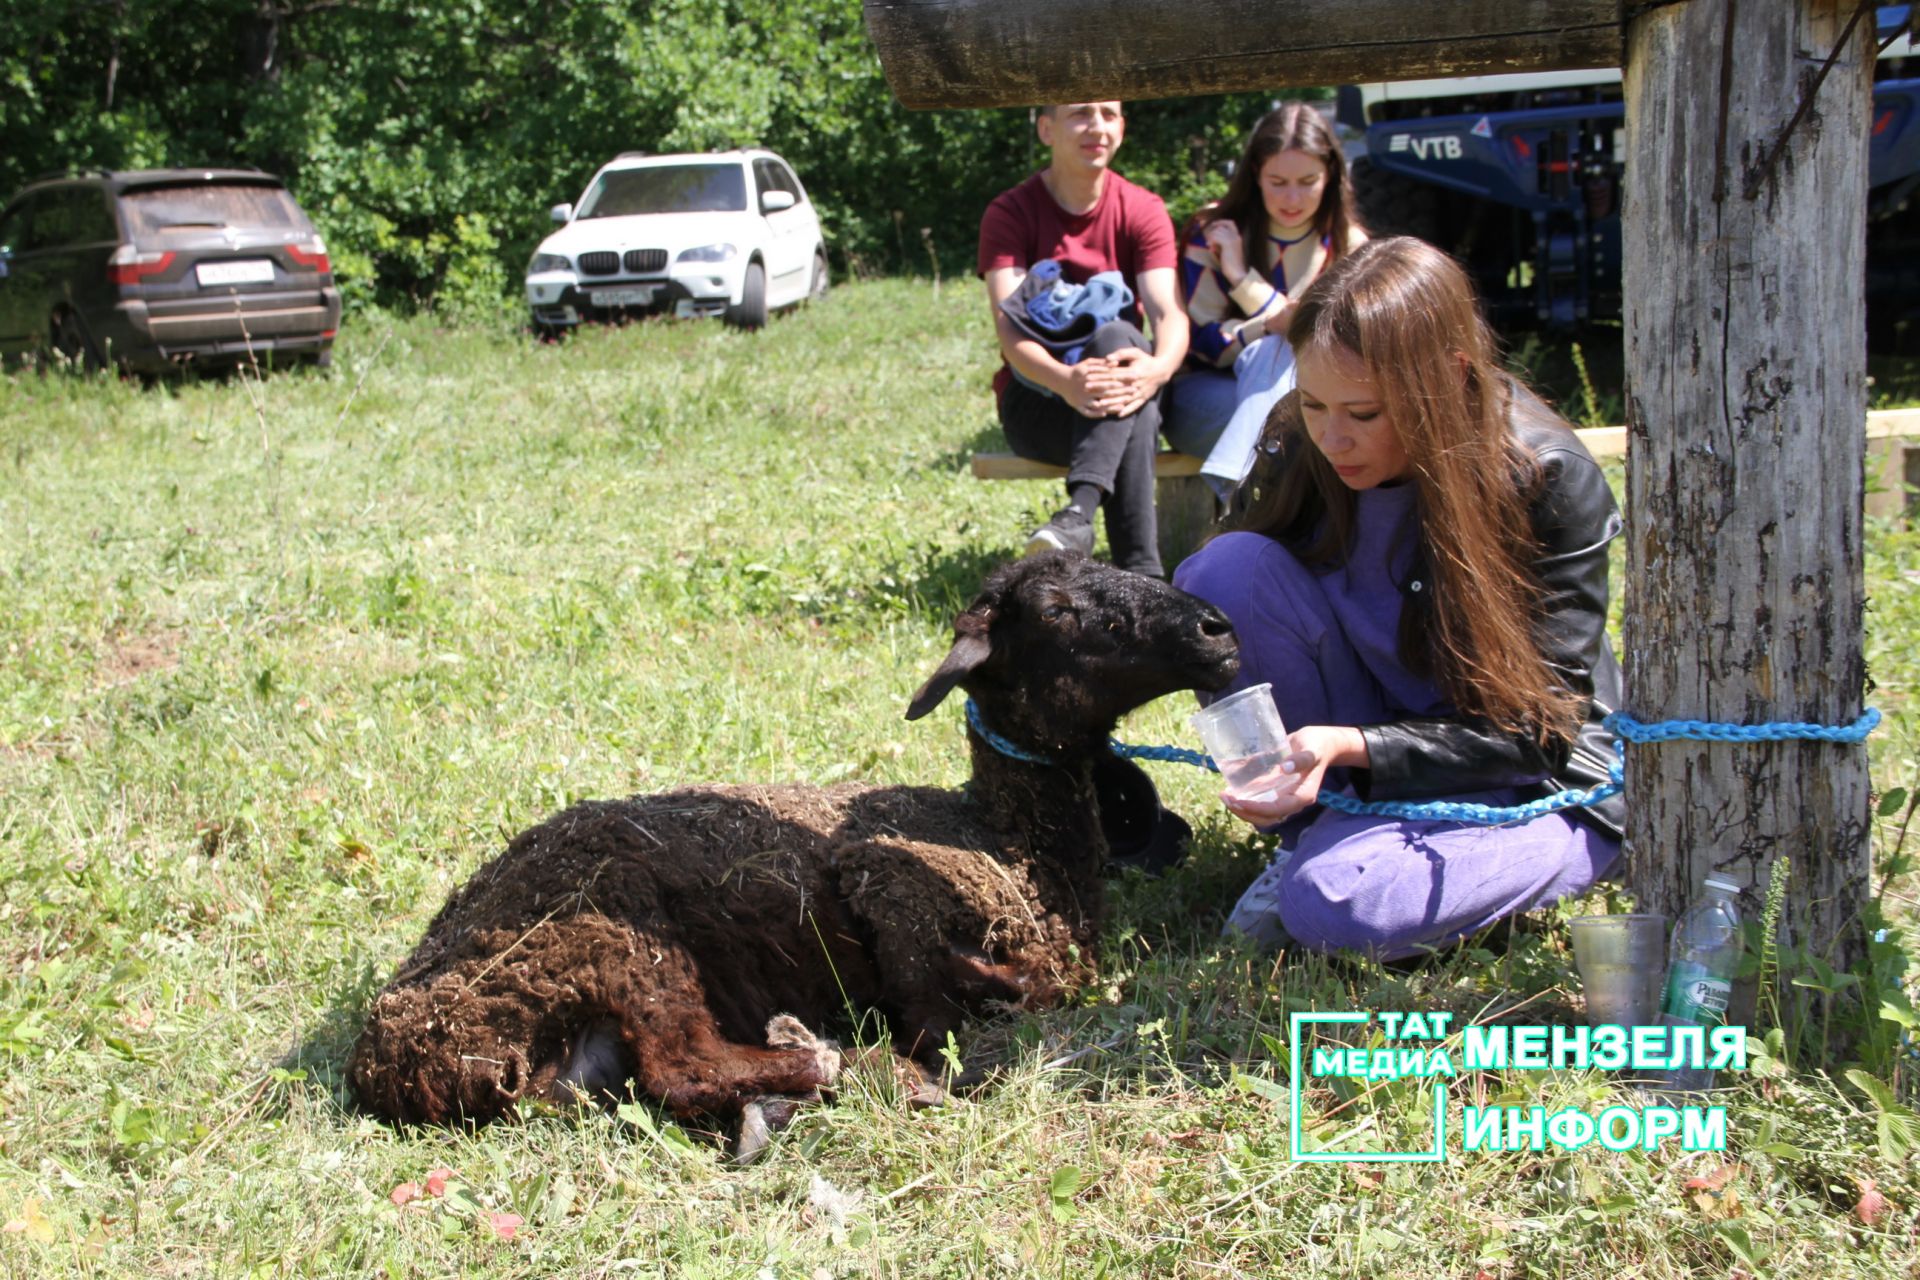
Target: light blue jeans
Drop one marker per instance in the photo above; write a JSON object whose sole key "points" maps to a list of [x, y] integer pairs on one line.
{"points": [[1218, 416]]}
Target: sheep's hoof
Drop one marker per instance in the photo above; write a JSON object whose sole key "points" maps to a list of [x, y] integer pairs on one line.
{"points": [[927, 1094], [969, 1079], [784, 1031], [759, 1121], [910, 1082]]}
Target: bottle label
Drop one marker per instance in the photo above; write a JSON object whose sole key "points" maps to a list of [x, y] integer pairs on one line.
{"points": [[1695, 994]]}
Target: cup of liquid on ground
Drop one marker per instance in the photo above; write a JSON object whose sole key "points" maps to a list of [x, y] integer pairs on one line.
{"points": [[1244, 736]]}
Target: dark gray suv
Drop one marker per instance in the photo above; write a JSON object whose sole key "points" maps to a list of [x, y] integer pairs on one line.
{"points": [[156, 268]]}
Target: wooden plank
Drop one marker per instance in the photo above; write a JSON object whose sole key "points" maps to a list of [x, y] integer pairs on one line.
{"points": [[1882, 424], [1604, 442], [1601, 442], [1745, 590], [1004, 53], [1009, 466], [1885, 423]]}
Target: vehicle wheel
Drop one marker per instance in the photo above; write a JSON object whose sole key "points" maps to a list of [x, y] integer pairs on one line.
{"points": [[752, 311], [70, 342], [817, 288], [1392, 205]]}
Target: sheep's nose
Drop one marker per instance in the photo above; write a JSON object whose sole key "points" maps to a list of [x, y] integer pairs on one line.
{"points": [[1214, 624]]}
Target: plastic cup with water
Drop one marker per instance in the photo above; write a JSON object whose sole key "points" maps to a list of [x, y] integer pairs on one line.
{"points": [[1245, 737], [1622, 961]]}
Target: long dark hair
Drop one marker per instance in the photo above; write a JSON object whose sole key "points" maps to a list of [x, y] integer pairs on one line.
{"points": [[1291, 126], [1407, 312]]}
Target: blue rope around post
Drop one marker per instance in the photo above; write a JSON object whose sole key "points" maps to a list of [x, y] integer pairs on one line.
{"points": [[1625, 728]]}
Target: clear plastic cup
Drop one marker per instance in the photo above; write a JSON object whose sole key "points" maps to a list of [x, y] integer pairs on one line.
{"points": [[1244, 736], [1622, 961]]}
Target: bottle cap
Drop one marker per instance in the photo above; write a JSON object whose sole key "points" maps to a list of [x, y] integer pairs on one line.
{"points": [[1715, 882]]}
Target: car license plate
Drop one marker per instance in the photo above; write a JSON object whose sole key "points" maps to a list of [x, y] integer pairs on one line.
{"points": [[252, 271], [622, 297]]}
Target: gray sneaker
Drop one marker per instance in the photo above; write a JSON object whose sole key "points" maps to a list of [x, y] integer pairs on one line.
{"points": [[1069, 530]]}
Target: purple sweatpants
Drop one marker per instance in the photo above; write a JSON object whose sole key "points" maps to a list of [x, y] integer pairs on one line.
{"points": [[1328, 643]]}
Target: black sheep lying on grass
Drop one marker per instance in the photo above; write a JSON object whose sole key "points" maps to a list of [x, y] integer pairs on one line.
{"points": [[695, 942]]}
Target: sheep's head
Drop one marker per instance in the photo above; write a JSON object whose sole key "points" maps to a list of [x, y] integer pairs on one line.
{"points": [[1056, 648]]}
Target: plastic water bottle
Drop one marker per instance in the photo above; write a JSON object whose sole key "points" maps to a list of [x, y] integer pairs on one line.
{"points": [[1706, 952]]}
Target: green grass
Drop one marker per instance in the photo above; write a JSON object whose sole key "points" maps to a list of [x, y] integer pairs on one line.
{"points": [[283, 662]]}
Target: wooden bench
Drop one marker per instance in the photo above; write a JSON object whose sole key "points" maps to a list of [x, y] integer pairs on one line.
{"points": [[1187, 508]]}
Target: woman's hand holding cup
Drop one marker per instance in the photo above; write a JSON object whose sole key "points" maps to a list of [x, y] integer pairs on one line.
{"points": [[1311, 751]]}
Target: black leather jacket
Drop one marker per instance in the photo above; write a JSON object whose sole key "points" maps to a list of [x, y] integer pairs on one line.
{"points": [[1574, 518]]}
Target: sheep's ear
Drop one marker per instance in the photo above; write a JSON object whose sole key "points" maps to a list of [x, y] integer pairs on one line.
{"points": [[972, 646]]}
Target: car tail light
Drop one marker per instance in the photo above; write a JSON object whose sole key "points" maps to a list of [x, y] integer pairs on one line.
{"points": [[129, 266], [314, 258]]}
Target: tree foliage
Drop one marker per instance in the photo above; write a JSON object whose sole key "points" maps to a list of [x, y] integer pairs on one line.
{"points": [[428, 137]]}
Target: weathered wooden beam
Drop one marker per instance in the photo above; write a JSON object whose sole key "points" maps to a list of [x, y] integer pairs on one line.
{"points": [[1746, 356], [1005, 53]]}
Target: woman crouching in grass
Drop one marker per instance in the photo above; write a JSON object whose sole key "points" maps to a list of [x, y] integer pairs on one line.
{"points": [[1421, 574]]}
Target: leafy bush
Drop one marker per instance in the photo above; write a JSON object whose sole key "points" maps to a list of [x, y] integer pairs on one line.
{"points": [[428, 139]]}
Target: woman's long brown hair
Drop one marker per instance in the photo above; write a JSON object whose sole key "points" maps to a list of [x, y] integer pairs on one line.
{"points": [[1407, 312], [1291, 126]]}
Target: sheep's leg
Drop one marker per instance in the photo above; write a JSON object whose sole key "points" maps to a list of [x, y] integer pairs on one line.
{"points": [[971, 981], [697, 1069], [915, 1085], [596, 1069], [977, 977], [759, 1121], [763, 1117]]}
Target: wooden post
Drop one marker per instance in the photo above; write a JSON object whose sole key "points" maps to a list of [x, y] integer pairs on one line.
{"points": [[1008, 53], [1746, 359], [1745, 251]]}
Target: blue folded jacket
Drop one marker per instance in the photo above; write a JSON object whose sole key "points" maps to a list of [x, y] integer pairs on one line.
{"points": [[1061, 316]]}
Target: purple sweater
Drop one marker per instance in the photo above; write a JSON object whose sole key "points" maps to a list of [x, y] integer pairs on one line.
{"points": [[1353, 621]]}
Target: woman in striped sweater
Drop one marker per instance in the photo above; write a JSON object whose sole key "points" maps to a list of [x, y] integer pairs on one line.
{"points": [[1288, 214]]}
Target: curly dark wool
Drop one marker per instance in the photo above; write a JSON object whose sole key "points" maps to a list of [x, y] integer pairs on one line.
{"points": [[695, 941]]}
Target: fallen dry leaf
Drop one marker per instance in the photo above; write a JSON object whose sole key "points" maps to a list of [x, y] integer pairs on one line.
{"points": [[1871, 1206], [405, 1193], [1717, 1204], [1713, 1181], [31, 1223], [505, 1225], [437, 1181]]}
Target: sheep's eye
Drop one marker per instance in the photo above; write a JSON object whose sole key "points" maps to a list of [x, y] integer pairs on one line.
{"points": [[1055, 612]]}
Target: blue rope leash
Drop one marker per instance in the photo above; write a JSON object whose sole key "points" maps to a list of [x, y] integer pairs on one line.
{"points": [[1624, 727], [1000, 744]]}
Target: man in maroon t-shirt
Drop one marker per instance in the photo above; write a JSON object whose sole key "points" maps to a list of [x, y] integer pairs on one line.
{"points": [[1098, 417]]}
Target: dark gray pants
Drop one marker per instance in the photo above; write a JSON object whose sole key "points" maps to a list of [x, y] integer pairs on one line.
{"points": [[1114, 453]]}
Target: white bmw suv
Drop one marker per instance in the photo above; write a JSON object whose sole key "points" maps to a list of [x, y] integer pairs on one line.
{"points": [[727, 233]]}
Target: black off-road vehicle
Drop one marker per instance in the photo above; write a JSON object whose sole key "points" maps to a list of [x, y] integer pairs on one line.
{"points": [[153, 269]]}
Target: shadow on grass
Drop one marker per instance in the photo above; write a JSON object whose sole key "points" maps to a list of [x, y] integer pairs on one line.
{"points": [[926, 583], [318, 1062], [944, 582], [988, 439]]}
